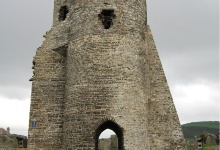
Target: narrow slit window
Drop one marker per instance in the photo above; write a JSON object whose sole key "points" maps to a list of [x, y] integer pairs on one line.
{"points": [[63, 13]]}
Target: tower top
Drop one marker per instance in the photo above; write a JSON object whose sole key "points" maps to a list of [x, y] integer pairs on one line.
{"points": [[73, 9], [76, 19]]}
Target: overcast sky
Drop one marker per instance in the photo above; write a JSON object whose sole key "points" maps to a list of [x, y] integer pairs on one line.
{"points": [[186, 33]]}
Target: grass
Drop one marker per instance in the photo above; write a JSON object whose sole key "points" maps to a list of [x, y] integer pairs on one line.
{"points": [[9, 142], [210, 147], [189, 148]]}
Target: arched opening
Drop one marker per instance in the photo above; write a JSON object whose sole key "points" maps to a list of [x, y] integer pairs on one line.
{"points": [[115, 128], [108, 140]]}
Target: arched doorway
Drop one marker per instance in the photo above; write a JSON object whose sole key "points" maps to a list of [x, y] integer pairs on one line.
{"points": [[114, 127]]}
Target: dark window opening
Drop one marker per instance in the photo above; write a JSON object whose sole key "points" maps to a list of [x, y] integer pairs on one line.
{"points": [[63, 13], [107, 16], [117, 141]]}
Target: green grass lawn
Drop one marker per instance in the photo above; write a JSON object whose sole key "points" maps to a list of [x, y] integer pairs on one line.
{"points": [[211, 147]]}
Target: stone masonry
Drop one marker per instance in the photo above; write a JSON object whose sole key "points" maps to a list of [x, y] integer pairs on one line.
{"points": [[99, 69]]}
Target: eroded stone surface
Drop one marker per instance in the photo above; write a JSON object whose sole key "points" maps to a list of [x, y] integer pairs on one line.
{"points": [[88, 78]]}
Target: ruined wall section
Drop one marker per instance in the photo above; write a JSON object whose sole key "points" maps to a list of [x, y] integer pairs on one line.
{"points": [[47, 97], [105, 80], [86, 75], [106, 71], [164, 128]]}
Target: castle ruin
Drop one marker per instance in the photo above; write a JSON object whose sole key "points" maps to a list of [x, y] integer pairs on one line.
{"points": [[99, 69]]}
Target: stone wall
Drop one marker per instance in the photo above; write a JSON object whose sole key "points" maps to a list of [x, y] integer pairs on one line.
{"points": [[47, 97], [109, 143], [104, 144], [164, 128], [99, 68]]}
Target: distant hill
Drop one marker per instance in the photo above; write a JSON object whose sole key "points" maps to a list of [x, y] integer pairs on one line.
{"points": [[196, 128]]}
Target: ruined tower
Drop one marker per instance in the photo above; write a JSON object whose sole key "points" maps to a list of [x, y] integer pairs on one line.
{"points": [[99, 69]]}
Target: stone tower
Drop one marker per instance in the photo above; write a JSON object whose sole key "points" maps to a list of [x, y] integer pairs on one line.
{"points": [[8, 131], [99, 69]]}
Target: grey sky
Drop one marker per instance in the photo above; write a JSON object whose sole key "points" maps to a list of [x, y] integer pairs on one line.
{"points": [[23, 24], [186, 33]]}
